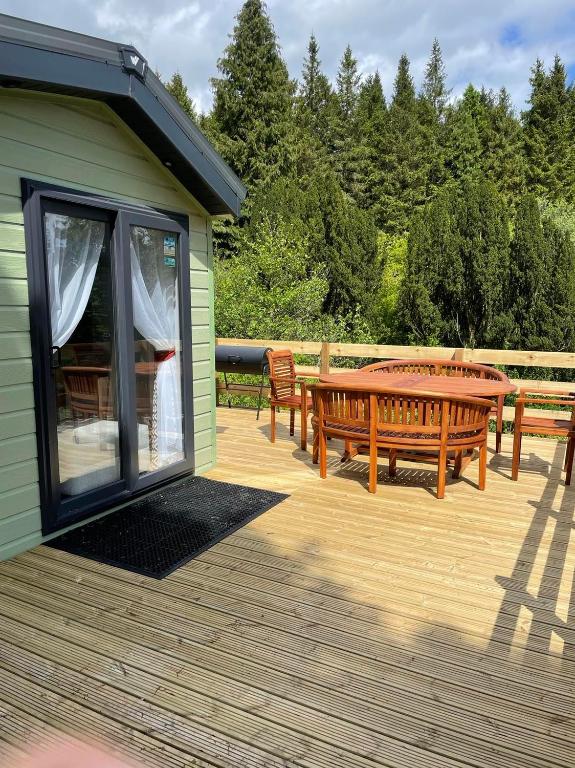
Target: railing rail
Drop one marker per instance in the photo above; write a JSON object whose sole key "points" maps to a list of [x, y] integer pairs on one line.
{"points": [[327, 350]]}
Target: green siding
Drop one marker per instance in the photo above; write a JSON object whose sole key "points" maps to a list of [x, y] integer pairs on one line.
{"points": [[80, 144]]}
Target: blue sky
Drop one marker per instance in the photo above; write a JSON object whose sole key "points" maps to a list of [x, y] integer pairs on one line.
{"points": [[490, 43]]}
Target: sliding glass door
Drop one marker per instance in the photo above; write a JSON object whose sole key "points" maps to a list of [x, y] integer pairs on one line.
{"points": [[112, 352]]}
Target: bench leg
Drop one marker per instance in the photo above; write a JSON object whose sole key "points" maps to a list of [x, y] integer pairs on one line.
{"points": [[516, 453], [483, 465], [372, 468], [441, 471], [273, 423], [392, 462], [569, 460], [322, 454], [499, 424]]}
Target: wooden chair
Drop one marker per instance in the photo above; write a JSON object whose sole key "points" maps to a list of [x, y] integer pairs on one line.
{"points": [[283, 384], [88, 391], [539, 425], [450, 368], [398, 422]]}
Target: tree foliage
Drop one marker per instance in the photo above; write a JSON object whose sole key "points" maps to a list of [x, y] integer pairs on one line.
{"points": [[426, 217]]}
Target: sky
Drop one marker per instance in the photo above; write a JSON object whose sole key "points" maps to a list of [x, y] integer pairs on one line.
{"points": [[490, 43]]}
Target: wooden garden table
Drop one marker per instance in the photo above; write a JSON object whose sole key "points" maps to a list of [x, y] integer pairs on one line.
{"points": [[417, 382]]}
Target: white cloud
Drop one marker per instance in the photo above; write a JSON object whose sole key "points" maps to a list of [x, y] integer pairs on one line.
{"points": [[491, 43]]}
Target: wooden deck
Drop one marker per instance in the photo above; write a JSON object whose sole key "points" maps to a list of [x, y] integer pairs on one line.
{"points": [[338, 630]]}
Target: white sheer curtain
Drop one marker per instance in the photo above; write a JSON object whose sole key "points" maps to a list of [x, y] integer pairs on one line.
{"points": [[156, 317], [73, 248]]}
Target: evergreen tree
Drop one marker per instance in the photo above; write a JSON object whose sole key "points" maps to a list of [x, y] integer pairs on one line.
{"points": [[371, 117], [549, 133], [347, 91], [179, 91], [543, 281], [466, 130], [503, 159], [528, 275], [432, 107], [434, 89], [403, 157], [458, 268], [340, 236], [252, 115], [317, 102]]}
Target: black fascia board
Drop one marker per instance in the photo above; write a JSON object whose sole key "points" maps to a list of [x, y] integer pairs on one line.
{"points": [[195, 163]]}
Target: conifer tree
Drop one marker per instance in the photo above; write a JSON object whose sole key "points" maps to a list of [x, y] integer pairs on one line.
{"points": [[371, 116], [432, 107], [347, 91], [434, 89], [179, 91], [466, 135], [528, 283], [403, 157], [317, 102], [458, 268], [253, 99], [503, 160], [548, 134]]}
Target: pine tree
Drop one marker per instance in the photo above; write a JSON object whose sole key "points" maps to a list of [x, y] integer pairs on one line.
{"points": [[434, 89], [503, 160], [317, 102], [549, 133], [432, 107], [347, 91], [179, 91], [371, 116], [403, 157], [253, 100], [465, 135]]}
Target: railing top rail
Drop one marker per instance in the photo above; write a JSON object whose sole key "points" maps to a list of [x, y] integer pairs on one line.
{"points": [[386, 351]]}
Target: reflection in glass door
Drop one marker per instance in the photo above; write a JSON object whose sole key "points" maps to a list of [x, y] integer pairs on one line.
{"points": [[83, 351], [158, 347]]}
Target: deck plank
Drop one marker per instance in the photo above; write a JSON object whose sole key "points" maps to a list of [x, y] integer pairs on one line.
{"points": [[338, 628]]}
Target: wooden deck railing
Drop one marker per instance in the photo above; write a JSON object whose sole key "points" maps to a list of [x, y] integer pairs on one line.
{"points": [[326, 351]]}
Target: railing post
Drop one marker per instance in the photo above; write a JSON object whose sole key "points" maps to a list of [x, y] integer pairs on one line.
{"points": [[324, 357]]}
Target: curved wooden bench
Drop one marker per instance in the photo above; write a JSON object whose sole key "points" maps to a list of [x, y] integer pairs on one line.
{"points": [[399, 421]]}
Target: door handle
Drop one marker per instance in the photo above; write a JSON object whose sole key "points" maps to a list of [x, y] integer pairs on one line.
{"points": [[56, 357]]}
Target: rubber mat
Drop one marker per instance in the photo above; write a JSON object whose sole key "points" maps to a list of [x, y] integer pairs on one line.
{"points": [[157, 534]]}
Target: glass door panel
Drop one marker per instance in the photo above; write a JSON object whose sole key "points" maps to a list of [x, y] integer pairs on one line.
{"points": [[158, 347], [83, 352]]}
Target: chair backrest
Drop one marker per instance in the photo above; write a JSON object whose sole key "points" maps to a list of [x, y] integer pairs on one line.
{"points": [[410, 417], [420, 417], [87, 389], [346, 407], [281, 373], [437, 368]]}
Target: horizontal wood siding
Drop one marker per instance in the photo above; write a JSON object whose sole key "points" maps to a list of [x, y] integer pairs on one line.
{"points": [[79, 144]]}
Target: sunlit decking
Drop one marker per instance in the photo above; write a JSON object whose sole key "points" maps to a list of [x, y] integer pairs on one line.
{"points": [[338, 629]]}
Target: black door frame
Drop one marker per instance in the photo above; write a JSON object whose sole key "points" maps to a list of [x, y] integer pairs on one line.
{"points": [[58, 512]]}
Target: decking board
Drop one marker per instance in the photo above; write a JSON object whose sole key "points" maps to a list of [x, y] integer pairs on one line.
{"points": [[336, 629]]}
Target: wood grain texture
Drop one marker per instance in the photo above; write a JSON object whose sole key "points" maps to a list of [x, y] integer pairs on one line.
{"points": [[337, 629]]}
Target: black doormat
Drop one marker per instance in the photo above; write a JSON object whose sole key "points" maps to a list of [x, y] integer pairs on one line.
{"points": [[159, 533]]}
